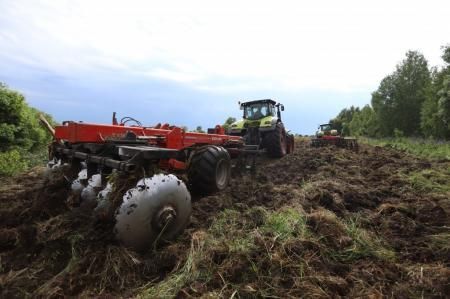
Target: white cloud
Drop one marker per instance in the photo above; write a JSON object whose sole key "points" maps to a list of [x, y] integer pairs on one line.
{"points": [[339, 45]]}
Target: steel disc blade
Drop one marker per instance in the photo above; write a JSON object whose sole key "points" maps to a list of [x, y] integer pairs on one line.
{"points": [[136, 217]]}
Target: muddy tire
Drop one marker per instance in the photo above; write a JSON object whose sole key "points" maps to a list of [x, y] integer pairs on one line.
{"points": [[275, 142], [157, 209], [290, 143], [209, 170]]}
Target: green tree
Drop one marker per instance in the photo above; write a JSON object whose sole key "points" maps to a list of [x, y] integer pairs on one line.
{"points": [[444, 92], [398, 100], [435, 114], [22, 138], [364, 123], [228, 122], [342, 121], [199, 129], [383, 103], [444, 102], [431, 122]]}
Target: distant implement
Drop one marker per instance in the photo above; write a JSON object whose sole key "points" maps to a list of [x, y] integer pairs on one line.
{"points": [[326, 135]]}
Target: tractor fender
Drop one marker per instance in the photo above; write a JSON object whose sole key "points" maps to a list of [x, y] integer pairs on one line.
{"points": [[273, 126]]}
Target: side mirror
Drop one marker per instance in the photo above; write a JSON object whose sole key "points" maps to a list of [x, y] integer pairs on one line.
{"points": [[282, 107]]}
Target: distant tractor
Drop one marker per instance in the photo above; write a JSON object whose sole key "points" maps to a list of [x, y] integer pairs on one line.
{"points": [[327, 135], [262, 127]]}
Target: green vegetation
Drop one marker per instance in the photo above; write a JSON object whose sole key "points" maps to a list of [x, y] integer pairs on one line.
{"points": [[430, 180], [440, 243], [364, 244], [228, 122], [189, 272], [414, 100], [259, 242], [23, 142], [425, 148], [11, 162], [286, 224], [199, 129]]}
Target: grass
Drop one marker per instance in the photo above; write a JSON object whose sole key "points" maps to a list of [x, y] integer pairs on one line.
{"points": [[440, 243], [435, 179], [364, 244], [230, 230], [430, 180], [189, 272], [234, 233], [48, 288], [254, 254], [286, 224], [425, 148]]}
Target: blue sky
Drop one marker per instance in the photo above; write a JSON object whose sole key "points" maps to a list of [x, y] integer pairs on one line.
{"points": [[190, 62]]}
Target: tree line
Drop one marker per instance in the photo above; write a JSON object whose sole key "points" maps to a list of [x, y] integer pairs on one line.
{"points": [[414, 100]]}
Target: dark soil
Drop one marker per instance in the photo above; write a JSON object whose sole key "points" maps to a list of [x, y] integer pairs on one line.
{"points": [[50, 249]]}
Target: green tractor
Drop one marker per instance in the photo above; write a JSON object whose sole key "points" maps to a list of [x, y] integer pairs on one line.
{"points": [[262, 127]]}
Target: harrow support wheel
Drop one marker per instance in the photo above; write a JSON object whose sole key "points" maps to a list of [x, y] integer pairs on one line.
{"points": [[157, 209], [209, 169]]}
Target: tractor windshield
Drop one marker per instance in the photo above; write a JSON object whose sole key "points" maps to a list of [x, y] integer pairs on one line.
{"points": [[326, 127], [257, 111]]}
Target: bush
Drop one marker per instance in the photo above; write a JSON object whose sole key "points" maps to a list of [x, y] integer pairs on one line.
{"points": [[23, 141], [12, 162]]}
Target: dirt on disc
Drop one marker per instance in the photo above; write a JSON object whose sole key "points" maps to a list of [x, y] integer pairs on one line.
{"points": [[360, 228]]}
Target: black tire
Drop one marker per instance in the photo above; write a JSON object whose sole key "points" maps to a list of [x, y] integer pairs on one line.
{"points": [[290, 143], [275, 142], [209, 170]]}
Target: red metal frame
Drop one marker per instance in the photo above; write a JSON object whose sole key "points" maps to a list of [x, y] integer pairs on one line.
{"points": [[172, 137], [330, 137], [163, 136]]}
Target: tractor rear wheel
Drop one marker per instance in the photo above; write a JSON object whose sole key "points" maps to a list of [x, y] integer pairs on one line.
{"points": [[290, 143], [209, 169], [275, 142]]}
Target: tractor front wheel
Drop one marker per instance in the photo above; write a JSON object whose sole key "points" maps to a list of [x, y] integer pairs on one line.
{"points": [[209, 169]]}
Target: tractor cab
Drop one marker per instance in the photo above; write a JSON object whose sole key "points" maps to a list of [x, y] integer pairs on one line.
{"points": [[256, 110], [326, 130], [262, 114]]}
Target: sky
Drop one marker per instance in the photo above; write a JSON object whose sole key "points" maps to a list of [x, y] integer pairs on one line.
{"points": [[190, 62]]}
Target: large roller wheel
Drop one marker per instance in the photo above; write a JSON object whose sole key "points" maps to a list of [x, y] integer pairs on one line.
{"points": [[209, 169], [157, 209], [275, 142]]}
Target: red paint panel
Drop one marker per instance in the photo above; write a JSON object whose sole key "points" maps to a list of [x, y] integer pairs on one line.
{"points": [[175, 138]]}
